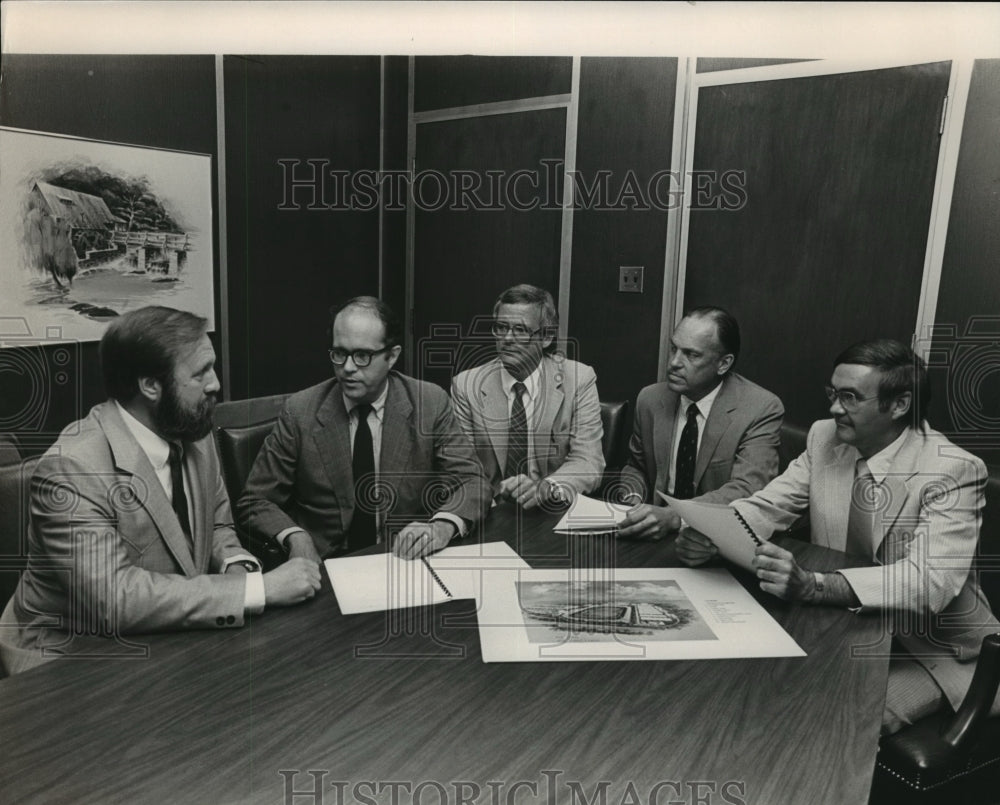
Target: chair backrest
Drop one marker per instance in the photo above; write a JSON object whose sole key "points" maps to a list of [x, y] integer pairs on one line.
{"points": [[988, 560], [240, 429], [793, 444], [242, 413], [238, 448], [15, 488], [613, 419], [10, 452]]}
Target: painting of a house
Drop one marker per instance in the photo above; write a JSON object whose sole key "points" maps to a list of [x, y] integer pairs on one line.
{"points": [[89, 230]]}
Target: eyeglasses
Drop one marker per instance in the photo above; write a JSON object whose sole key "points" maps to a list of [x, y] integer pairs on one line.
{"points": [[848, 400], [361, 357], [500, 329]]}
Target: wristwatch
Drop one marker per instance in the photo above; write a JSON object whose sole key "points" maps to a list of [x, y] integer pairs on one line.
{"points": [[247, 565], [820, 585]]}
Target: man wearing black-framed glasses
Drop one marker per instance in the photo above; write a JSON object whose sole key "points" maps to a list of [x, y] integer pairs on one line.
{"points": [[878, 482], [533, 414], [357, 460]]}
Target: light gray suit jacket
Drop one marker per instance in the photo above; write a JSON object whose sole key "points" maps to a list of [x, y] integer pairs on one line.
{"points": [[302, 476], [566, 430], [107, 556], [738, 453], [924, 540]]}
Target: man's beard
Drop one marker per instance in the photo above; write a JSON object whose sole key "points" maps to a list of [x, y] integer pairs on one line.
{"points": [[174, 421]]}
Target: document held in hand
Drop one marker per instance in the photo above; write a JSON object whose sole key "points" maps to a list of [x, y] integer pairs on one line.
{"points": [[722, 524]]}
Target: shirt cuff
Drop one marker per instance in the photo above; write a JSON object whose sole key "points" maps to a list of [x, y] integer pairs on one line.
{"points": [[281, 536], [457, 521], [254, 598], [239, 557]]}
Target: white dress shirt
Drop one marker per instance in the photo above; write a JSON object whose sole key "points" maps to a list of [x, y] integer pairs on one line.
{"points": [[157, 450], [704, 406]]}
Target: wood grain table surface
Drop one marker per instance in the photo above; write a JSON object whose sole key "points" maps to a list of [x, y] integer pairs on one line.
{"points": [[305, 705]]}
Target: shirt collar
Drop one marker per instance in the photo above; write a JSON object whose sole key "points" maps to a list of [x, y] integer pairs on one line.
{"points": [[377, 406], [156, 448], [704, 404], [880, 464], [507, 380]]}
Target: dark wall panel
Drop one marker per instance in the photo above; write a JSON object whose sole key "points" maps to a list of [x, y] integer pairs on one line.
{"points": [[395, 92], [625, 126], [826, 244], [161, 101], [446, 81], [296, 250], [965, 371]]}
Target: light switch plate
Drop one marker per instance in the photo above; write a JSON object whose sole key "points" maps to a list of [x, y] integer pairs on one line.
{"points": [[630, 279]]}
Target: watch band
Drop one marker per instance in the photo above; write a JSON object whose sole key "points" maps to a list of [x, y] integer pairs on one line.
{"points": [[247, 565]]}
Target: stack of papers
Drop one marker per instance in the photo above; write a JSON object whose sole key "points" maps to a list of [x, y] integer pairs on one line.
{"points": [[591, 516]]}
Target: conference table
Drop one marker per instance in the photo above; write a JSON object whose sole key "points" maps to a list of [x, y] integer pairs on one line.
{"points": [[305, 705]]}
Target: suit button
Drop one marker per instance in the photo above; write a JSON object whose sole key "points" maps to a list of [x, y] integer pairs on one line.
{"points": [[231, 620], [220, 621]]}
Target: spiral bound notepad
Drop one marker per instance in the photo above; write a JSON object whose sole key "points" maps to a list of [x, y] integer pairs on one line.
{"points": [[722, 524], [746, 525]]}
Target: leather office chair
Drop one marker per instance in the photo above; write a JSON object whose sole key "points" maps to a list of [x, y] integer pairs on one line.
{"points": [[613, 420], [15, 486], [241, 427], [954, 758], [10, 451], [793, 444]]}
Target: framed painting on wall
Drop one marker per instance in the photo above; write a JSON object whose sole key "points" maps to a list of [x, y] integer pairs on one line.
{"points": [[90, 230]]}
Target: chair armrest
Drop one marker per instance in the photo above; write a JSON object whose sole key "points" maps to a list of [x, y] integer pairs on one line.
{"points": [[963, 729]]}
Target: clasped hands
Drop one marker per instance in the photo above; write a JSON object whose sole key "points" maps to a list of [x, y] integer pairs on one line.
{"points": [[529, 492]]}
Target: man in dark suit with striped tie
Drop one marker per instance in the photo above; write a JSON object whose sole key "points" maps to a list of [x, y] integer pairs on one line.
{"points": [[368, 457], [705, 433]]}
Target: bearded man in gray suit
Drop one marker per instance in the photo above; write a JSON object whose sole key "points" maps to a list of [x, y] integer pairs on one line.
{"points": [[130, 528]]}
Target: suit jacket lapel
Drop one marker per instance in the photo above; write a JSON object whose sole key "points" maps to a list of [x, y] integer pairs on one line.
{"points": [[202, 514], [549, 398], [130, 458], [494, 406], [719, 419], [333, 439], [397, 439], [898, 486], [663, 434]]}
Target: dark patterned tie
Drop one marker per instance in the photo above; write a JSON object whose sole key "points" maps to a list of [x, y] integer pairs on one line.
{"points": [[517, 443], [687, 452], [179, 502], [362, 532]]}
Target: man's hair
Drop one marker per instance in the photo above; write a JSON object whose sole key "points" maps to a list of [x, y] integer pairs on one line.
{"points": [[525, 294], [146, 343], [377, 308], [727, 330], [901, 370]]}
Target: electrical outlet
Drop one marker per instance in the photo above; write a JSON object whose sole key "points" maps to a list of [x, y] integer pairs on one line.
{"points": [[630, 279]]}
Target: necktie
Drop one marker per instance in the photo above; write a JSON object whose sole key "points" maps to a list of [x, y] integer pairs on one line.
{"points": [[517, 442], [687, 452], [179, 496], [861, 517], [362, 531]]}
